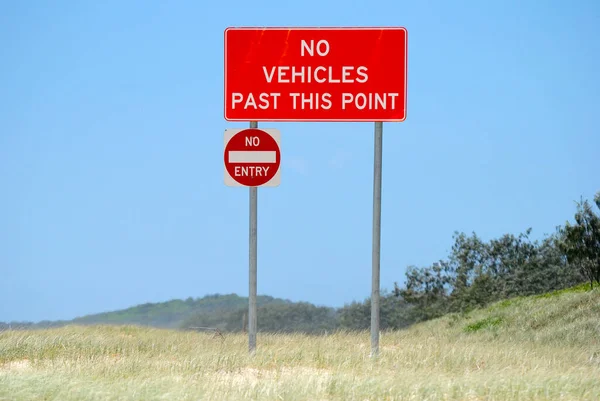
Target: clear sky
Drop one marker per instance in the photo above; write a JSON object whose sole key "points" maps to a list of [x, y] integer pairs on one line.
{"points": [[111, 141]]}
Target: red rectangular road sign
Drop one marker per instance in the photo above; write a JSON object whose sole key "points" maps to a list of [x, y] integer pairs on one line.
{"points": [[315, 74]]}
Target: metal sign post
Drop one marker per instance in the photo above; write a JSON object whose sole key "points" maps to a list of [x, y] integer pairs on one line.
{"points": [[377, 169], [252, 264]]}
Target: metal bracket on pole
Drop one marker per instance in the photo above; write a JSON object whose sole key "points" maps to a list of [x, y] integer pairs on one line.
{"points": [[252, 265], [376, 239]]}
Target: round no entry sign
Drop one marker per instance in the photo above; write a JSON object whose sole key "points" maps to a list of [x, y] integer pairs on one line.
{"points": [[252, 157]]}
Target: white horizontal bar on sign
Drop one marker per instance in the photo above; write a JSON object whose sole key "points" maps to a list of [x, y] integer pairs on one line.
{"points": [[257, 156]]}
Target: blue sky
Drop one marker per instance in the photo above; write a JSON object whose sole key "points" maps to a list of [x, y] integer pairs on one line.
{"points": [[111, 141]]}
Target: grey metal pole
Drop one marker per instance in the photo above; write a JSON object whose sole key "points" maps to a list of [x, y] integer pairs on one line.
{"points": [[376, 239], [252, 265]]}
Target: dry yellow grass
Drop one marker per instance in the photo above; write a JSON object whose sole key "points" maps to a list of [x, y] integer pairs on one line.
{"points": [[526, 349]]}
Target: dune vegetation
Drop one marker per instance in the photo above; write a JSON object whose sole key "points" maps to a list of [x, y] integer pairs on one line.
{"points": [[543, 347]]}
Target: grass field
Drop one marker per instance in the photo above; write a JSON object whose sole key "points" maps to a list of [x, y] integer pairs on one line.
{"points": [[536, 348]]}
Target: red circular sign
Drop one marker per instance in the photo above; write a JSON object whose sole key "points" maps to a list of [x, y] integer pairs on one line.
{"points": [[252, 157]]}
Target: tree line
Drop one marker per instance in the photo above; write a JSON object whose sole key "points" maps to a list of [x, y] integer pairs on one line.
{"points": [[474, 274], [477, 273]]}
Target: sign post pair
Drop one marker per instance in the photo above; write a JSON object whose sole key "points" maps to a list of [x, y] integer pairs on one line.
{"points": [[309, 75]]}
